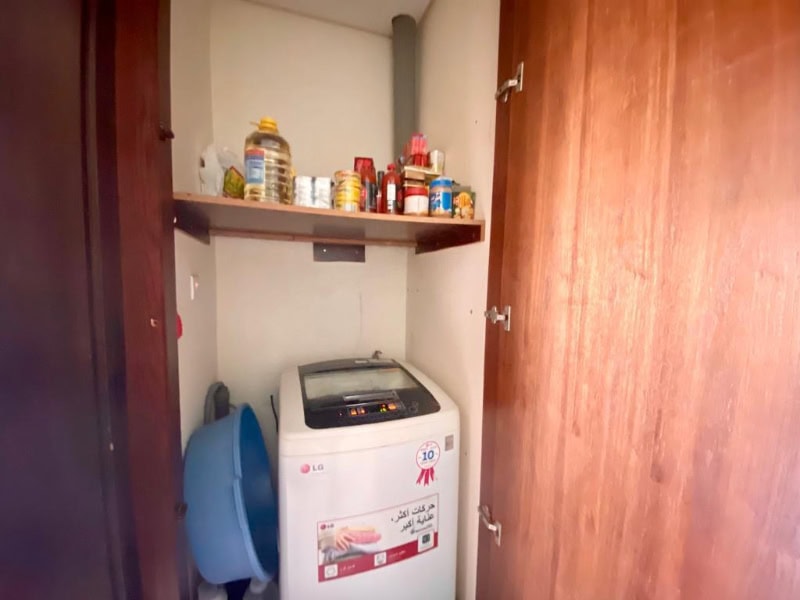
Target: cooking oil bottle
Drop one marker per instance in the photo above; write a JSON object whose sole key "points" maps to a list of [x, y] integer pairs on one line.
{"points": [[267, 165]]}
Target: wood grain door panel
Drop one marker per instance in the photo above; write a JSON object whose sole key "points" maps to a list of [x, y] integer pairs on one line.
{"points": [[148, 270], [645, 408], [64, 506]]}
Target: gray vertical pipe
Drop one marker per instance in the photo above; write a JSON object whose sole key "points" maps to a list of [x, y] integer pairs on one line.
{"points": [[404, 60]]}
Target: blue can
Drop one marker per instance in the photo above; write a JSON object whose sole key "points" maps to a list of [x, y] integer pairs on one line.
{"points": [[441, 197]]}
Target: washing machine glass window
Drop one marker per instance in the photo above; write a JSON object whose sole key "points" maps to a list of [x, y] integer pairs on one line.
{"points": [[359, 380], [351, 392]]}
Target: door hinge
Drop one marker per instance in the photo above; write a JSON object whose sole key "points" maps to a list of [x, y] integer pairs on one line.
{"points": [[511, 85], [494, 526], [497, 317]]}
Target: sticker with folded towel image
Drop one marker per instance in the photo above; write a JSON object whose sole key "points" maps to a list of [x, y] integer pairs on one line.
{"points": [[360, 543]]}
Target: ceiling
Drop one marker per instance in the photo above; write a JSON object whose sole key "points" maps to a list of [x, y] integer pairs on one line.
{"points": [[369, 15]]}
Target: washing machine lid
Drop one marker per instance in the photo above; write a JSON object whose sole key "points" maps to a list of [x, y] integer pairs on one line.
{"points": [[343, 393]]}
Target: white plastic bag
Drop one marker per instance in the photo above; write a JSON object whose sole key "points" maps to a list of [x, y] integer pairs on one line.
{"points": [[211, 173], [221, 173]]}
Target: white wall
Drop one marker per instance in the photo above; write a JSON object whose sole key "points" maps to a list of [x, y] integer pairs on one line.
{"points": [[190, 66], [447, 290], [277, 308], [197, 349], [191, 122], [329, 87]]}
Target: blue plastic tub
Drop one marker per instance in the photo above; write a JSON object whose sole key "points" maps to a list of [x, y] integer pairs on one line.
{"points": [[231, 520]]}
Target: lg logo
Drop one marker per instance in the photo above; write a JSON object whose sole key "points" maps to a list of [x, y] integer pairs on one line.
{"points": [[318, 468]]}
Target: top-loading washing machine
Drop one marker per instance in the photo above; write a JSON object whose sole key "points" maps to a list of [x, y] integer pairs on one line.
{"points": [[368, 483]]}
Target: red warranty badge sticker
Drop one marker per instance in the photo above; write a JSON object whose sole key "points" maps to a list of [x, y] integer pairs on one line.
{"points": [[427, 457]]}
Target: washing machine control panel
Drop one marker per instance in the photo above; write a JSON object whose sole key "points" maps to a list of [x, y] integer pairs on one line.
{"points": [[358, 391]]}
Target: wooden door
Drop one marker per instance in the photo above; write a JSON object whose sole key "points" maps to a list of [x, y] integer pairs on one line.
{"points": [[642, 416], [90, 461], [148, 291], [65, 510]]}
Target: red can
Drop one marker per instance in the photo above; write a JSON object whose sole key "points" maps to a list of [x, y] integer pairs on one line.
{"points": [[365, 167]]}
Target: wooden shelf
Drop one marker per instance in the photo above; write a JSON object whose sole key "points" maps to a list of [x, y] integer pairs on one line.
{"points": [[204, 216]]}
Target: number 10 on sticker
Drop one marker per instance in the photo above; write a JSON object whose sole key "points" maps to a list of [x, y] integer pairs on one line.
{"points": [[427, 457]]}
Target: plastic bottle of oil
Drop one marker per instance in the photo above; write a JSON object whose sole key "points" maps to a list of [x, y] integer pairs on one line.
{"points": [[267, 165]]}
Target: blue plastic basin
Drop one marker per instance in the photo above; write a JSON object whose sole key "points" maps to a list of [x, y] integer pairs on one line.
{"points": [[231, 520]]}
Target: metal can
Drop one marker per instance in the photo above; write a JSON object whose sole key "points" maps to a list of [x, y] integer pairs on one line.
{"points": [[347, 194], [312, 192], [441, 197], [415, 198]]}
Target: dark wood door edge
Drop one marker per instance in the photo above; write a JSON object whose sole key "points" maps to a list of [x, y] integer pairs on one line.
{"points": [[108, 343], [505, 66], [148, 276]]}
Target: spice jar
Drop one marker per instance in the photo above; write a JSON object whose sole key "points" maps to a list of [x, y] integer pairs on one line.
{"points": [[347, 194]]}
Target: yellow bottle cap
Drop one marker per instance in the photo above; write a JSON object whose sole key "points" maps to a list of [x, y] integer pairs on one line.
{"points": [[267, 124]]}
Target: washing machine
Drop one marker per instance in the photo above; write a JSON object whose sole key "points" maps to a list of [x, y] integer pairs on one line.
{"points": [[368, 483]]}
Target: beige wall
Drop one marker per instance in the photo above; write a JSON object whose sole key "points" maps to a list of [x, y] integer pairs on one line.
{"points": [[197, 348], [273, 305], [447, 290], [190, 66], [277, 308], [329, 87], [191, 121]]}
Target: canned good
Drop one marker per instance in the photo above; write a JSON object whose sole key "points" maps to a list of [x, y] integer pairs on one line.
{"points": [[416, 205], [346, 176], [349, 205], [416, 199], [347, 194], [464, 204], [441, 197], [313, 192]]}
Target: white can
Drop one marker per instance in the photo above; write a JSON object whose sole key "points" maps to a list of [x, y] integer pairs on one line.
{"points": [[416, 205]]}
